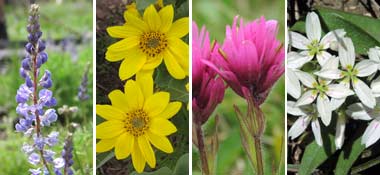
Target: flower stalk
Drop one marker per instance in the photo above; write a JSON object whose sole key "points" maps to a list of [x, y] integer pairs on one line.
{"points": [[202, 149]]}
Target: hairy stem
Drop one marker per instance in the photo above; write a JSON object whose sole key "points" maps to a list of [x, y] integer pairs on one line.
{"points": [[202, 149]]}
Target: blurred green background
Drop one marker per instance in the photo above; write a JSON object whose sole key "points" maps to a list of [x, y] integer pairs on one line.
{"points": [[231, 159], [67, 30]]}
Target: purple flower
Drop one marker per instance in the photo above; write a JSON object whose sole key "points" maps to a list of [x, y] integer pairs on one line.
{"points": [[82, 93], [35, 171], [39, 142], [59, 163], [45, 80], [34, 158], [49, 117], [23, 93], [52, 138], [48, 155]]}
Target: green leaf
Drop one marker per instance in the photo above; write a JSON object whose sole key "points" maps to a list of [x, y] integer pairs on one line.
{"points": [[351, 152], [182, 166], [363, 31], [103, 158], [141, 5], [163, 170], [315, 155], [176, 88]]}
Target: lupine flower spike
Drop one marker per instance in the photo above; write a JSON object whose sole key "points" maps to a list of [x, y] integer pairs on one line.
{"points": [[35, 102]]}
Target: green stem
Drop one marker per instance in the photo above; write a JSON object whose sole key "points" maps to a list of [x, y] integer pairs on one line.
{"points": [[365, 165]]}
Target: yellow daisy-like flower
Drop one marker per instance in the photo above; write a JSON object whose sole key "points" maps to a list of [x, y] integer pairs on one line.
{"points": [[137, 119], [148, 40]]}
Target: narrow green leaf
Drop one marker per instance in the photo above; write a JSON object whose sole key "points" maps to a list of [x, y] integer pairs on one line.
{"points": [[103, 158], [351, 152], [176, 88], [358, 28], [315, 155]]}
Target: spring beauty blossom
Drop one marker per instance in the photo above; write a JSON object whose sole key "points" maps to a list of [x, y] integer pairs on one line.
{"points": [[148, 40], [35, 101], [136, 119]]}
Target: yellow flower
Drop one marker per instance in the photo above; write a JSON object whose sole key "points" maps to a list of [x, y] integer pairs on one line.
{"points": [[148, 40], [137, 119]]}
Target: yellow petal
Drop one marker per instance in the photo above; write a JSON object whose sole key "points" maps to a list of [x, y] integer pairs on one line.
{"points": [[115, 55], [138, 159], [136, 22], [124, 146], [131, 64], [180, 51], [145, 73], [147, 151], [179, 28], [109, 112], [153, 62], [119, 100], [123, 31], [152, 18], [146, 84], [160, 142], [134, 95], [125, 44], [166, 15], [156, 103], [132, 8], [174, 69], [109, 129], [162, 127], [105, 145], [170, 110]]}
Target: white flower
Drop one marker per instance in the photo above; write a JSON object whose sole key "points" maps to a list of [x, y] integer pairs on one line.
{"points": [[361, 112], [306, 115], [339, 132], [313, 45], [375, 86], [351, 72], [294, 62], [320, 90], [374, 55]]}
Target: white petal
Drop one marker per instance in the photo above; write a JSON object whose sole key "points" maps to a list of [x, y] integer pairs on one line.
{"points": [[323, 57], [294, 110], [364, 93], [339, 133], [297, 60], [347, 53], [324, 109], [317, 132], [366, 68], [338, 91], [298, 41], [332, 36], [298, 127], [375, 86], [306, 98], [331, 63], [313, 26], [371, 134], [358, 111], [306, 79], [293, 84], [330, 74], [335, 103], [374, 54]]}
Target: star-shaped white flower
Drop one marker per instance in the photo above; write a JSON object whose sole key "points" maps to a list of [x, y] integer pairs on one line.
{"points": [[313, 45], [359, 111], [321, 90], [375, 86], [306, 115], [350, 73], [374, 55], [295, 61]]}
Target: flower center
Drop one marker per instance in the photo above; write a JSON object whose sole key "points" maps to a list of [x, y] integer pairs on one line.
{"points": [[315, 48], [320, 88], [137, 122], [153, 43]]}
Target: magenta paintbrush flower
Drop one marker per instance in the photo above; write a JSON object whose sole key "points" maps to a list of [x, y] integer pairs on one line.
{"points": [[251, 58], [208, 90]]}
